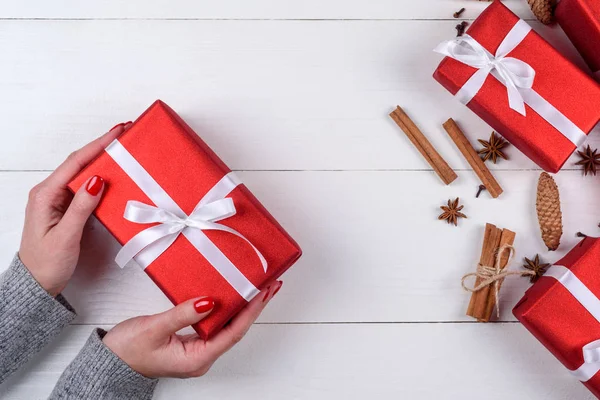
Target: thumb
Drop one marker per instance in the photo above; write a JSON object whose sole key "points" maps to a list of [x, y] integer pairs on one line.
{"points": [[183, 315], [83, 204]]}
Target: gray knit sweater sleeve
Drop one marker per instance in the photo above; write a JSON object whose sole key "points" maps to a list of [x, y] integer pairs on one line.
{"points": [[98, 373], [30, 317]]}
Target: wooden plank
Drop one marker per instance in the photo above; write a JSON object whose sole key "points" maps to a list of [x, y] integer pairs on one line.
{"points": [[321, 362], [373, 248], [258, 9], [307, 95]]}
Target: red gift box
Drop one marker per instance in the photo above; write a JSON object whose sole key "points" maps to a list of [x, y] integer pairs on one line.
{"points": [[563, 111], [580, 19], [185, 169], [562, 311]]}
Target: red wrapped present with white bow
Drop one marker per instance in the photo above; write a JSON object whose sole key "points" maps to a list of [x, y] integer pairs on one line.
{"points": [[185, 218], [521, 86]]}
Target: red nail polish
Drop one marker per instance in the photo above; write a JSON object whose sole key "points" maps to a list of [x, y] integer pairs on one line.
{"points": [[278, 287], [94, 185], [116, 126], [267, 294], [204, 305]]}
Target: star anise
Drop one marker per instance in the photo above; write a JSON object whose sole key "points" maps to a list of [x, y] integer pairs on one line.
{"points": [[536, 266], [492, 149], [589, 159], [452, 212]]}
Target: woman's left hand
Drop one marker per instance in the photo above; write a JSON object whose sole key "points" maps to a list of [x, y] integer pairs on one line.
{"points": [[54, 218]]}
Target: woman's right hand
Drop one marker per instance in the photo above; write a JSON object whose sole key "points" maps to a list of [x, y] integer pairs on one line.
{"points": [[150, 345]]}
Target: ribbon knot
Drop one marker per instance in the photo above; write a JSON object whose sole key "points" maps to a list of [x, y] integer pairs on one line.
{"points": [[203, 217], [172, 223], [515, 74]]}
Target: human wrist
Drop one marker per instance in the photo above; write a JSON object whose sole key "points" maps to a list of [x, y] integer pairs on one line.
{"points": [[113, 342], [29, 294], [47, 283]]}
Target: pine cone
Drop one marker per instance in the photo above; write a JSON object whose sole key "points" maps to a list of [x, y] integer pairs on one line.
{"points": [[548, 211], [543, 10]]}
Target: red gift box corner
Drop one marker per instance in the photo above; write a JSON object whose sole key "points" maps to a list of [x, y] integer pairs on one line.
{"points": [[580, 20], [556, 319]]}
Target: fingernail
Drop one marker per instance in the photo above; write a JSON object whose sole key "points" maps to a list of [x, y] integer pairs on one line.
{"points": [[278, 287], [94, 185], [204, 305], [127, 126], [267, 293], [117, 125]]}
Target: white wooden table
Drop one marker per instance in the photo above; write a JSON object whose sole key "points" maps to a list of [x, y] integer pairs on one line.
{"points": [[294, 95]]}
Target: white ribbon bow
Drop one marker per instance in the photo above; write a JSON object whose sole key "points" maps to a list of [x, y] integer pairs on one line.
{"points": [[204, 217], [149, 244], [512, 72]]}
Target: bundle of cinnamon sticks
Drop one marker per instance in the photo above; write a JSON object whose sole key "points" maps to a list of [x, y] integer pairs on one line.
{"points": [[484, 300]]}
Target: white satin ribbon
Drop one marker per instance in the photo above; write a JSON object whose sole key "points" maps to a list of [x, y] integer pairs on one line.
{"points": [[591, 351], [149, 244], [515, 74]]}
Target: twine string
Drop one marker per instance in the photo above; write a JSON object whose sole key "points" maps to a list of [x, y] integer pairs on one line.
{"points": [[494, 275]]}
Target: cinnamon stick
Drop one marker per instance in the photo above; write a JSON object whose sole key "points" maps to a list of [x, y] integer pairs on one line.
{"points": [[465, 147], [491, 240], [507, 238], [418, 139], [483, 301]]}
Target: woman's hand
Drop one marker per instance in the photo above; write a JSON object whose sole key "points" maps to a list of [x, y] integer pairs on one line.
{"points": [[54, 218], [150, 345]]}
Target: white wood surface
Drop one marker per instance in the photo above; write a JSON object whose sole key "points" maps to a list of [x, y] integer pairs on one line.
{"points": [[294, 96]]}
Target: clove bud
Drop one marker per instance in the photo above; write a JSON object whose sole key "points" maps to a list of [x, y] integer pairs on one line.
{"points": [[459, 12], [481, 189]]}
